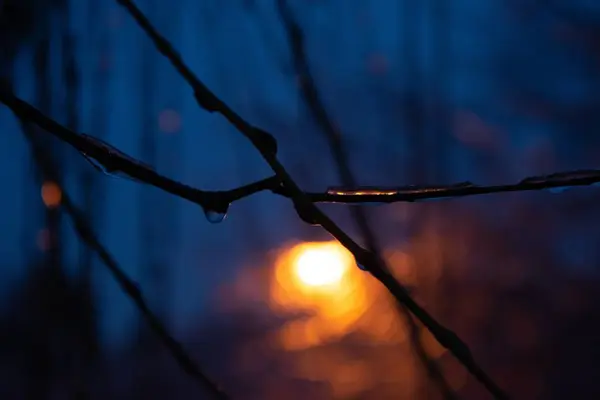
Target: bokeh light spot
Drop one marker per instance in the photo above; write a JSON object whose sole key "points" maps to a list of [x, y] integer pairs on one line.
{"points": [[378, 64], [169, 121], [43, 240], [321, 265], [51, 194]]}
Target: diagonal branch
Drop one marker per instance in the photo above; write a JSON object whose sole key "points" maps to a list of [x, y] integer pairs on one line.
{"points": [[131, 290], [343, 195], [266, 144], [112, 161], [317, 108]]}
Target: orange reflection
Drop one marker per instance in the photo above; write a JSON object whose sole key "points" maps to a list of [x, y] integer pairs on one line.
{"points": [[51, 194]]}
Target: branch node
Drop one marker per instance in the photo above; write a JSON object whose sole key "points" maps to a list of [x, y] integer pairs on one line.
{"points": [[207, 100], [305, 214], [264, 141]]}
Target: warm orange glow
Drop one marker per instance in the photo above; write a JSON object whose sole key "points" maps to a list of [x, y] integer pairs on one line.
{"points": [[51, 194], [322, 279], [321, 265], [433, 348]]}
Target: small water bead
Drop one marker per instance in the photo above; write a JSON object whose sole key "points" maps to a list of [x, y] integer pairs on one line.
{"points": [[215, 217], [362, 267], [107, 171], [111, 151]]}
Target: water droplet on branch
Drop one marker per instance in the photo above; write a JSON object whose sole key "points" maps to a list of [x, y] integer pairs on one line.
{"points": [[108, 171], [115, 153], [362, 267], [214, 217], [215, 211]]}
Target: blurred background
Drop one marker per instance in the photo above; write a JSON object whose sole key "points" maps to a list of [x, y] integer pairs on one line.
{"points": [[427, 92]]}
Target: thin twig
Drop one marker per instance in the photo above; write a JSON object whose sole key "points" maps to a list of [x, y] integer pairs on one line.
{"points": [[266, 144], [333, 136], [114, 161], [128, 286]]}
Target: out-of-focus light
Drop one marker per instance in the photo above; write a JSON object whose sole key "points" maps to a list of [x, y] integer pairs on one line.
{"points": [[169, 121], [322, 279], [51, 194], [378, 64], [43, 240], [471, 130], [320, 265], [105, 62]]}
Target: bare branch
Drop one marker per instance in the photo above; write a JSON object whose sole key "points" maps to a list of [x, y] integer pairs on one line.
{"points": [[87, 235], [114, 161], [315, 104], [266, 144]]}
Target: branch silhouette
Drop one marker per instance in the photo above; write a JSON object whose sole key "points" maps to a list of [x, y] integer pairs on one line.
{"points": [[282, 184], [310, 93], [266, 144], [130, 288], [114, 161]]}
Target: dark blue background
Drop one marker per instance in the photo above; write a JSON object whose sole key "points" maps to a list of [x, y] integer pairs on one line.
{"points": [[426, 92]]}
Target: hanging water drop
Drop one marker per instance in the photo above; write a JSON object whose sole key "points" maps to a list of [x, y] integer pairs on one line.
{"points": [[361, 267], [94, 163], [214, 216], [215, 207], [106, 171], [363, 259]]}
